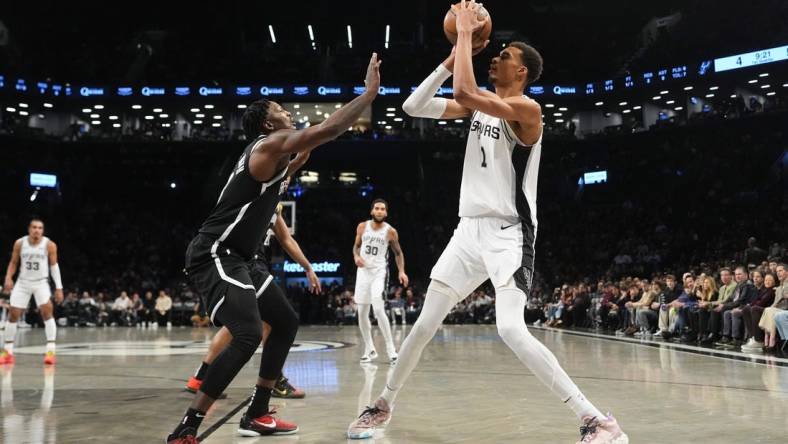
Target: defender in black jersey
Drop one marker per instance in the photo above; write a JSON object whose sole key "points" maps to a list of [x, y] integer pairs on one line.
{"points": [[217, 259]]}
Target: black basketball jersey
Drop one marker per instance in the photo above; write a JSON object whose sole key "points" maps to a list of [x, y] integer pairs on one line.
{"points": [[244, 208]]}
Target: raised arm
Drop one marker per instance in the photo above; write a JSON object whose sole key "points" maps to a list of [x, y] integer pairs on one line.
{"points": [[357, 246], [422, 103], [54, 270], [294, 141], [12, 266], [399, 256], [293, 250], [468, 94]]}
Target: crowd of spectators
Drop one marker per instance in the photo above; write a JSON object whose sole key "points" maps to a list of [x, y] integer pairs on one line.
{"points": [[741, 307]]}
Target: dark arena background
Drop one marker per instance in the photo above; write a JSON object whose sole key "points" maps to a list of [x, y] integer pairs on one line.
{"points": [[659, 280]]}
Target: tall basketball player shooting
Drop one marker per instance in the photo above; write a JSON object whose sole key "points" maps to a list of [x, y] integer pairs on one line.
{"points": [[371, 253], [35, 256], [218, 258], [497, 228]]}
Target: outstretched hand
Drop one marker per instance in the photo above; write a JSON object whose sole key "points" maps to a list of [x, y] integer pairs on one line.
{"points": [[372, 81]]}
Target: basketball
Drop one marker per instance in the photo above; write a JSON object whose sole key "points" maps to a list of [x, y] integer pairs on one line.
{"points": [[479, 37]]}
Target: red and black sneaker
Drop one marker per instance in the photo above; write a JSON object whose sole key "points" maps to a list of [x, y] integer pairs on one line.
{"points": [[283, 389], [265, 425], [189, 436]]}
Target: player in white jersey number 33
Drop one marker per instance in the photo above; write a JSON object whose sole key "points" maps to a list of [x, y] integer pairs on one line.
{"points": [[35, 257]]}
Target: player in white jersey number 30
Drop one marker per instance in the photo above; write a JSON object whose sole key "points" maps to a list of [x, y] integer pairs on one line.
{"points": [[370, 252], [35, 256], [497, 229]]}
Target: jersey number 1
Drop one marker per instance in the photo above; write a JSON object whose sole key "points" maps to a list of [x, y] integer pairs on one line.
{"points": [[484, 158]]}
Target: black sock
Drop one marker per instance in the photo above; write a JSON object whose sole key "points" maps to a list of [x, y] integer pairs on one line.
{"points": [[259, 405], [201, 371], [191, 420]]}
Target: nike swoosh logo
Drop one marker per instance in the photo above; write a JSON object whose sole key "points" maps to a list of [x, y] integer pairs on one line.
{"points": [[509, 226], [268, 426], [199, 415]]}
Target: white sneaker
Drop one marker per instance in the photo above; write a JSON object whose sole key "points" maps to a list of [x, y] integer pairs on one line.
{"points": [[370, 419], [369, 357], [393, 358], [752, 346], [639, 333], [602, 431]]}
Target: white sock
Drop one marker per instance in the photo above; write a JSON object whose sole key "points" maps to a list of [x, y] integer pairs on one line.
{"points": [[366, 393], [366, 327], [50, 328], [385, 328], [509, 307], [10, 337], [436, 307]]}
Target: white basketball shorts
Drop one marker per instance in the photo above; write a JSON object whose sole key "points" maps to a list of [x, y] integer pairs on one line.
{"points": [[487, 248]]}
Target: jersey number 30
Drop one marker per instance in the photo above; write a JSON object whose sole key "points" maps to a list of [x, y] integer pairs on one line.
{"points": [[372, 250]]}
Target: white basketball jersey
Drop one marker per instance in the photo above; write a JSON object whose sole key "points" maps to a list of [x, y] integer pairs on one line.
{"points": [[375, 246], [34, 260], [500, 172]]}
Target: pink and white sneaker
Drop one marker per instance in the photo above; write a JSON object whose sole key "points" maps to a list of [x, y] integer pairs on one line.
{"points": [[370, 419], [605, 431]]}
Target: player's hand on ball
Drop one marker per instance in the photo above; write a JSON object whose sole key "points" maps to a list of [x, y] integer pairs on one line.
{"points": [[8, 286], [59, 296], [475, 51], [403, 279], [314, 283], [468, 16], [359, 262], [372, 81]]}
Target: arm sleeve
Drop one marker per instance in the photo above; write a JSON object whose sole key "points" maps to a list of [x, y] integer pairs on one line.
{"points": [[54, 270], [422, 103]]}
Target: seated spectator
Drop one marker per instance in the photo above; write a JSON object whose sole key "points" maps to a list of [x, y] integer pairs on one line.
{"points": [[163, 307], [136, 308], [646, 316], [104, 309], [607, 304], [743, 294], [751, 313], [667, 315], [705, 309], [88, 310], [397, 307], [148, 313], [121, 310], [685, 302], [577, 312], [630, 308], [705, 294], [781, 325], [642, 310], [780, 305]]}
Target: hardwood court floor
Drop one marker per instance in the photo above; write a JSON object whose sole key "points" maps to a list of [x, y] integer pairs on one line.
{"points": [[118, 385]]}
